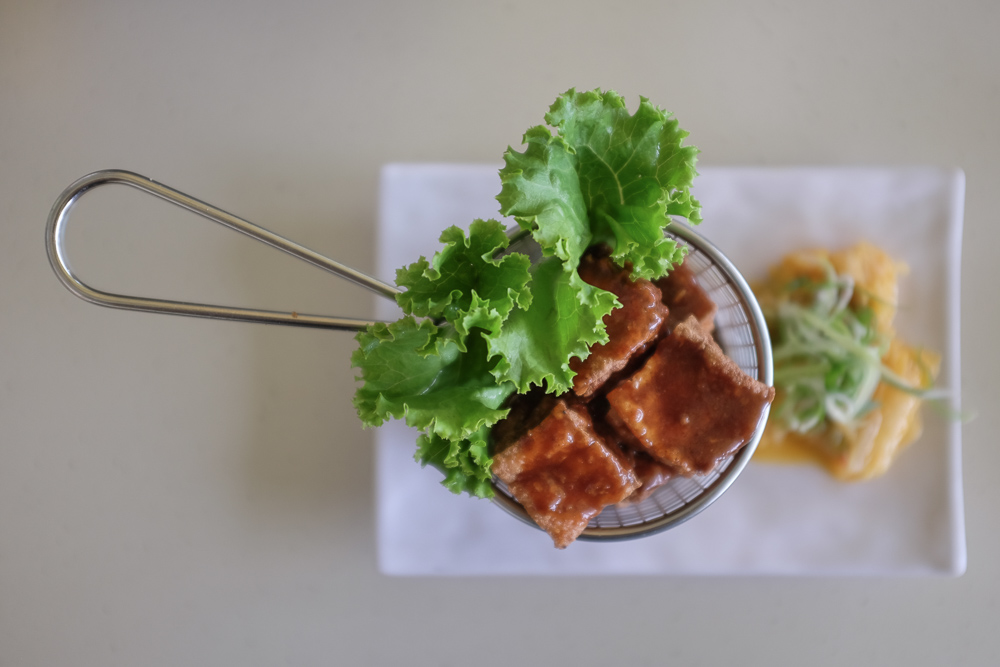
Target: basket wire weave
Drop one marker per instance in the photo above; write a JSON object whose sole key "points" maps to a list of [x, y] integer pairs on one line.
{"points": [[741, 332]]}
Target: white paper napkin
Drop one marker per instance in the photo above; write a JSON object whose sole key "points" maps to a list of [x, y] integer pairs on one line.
{"points": [[789, 520]]}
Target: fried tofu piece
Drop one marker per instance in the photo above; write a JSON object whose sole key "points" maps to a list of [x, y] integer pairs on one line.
{"points": [[690, 406], [684, 296], [526, 412], [651, 475], [562, 472], [631, 328]]}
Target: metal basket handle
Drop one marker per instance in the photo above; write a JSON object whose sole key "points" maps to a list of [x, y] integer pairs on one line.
{"points": [[55, 232]]}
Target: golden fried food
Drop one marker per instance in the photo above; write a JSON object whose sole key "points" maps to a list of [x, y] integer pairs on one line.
{"points": [[887, 418]]}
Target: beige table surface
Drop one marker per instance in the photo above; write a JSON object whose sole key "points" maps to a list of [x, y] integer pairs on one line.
{"points": [[177, 491]]}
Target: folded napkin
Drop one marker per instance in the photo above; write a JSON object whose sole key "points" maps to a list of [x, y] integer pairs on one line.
{"points": [[775, 519]]}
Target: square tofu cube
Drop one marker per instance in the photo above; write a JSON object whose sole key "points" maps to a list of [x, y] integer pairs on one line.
{"points": [[631, 328], [562, 472], [690, 406], [684, 297]]}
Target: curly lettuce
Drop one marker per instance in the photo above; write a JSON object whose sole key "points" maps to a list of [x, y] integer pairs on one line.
{"points": [[498, 325], [465, 463], [607, 177], [565, 318], [419, 372], [466, 283]]}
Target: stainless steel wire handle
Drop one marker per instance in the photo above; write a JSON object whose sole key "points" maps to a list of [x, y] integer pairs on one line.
{"points": [[741, 323], [55, 232]]}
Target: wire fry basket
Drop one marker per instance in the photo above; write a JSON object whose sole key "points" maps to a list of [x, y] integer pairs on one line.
{"points": [[742, 334], [739, 329]]}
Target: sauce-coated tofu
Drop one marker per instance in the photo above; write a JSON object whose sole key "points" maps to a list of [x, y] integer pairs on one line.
{"points": [[562, 473], [684, 296], [690, 406], [631, 328], [651, 475]]}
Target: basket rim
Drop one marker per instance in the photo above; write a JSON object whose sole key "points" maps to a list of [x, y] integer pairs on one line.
{"points": [[732, 470]]}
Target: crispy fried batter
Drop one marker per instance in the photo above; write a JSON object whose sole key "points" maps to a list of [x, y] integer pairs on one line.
{"points": [[864, 450]]}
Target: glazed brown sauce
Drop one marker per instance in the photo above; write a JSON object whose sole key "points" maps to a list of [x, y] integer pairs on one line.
{"points": [[585, 480], [562, 473], [631, 328], [685, 412]]}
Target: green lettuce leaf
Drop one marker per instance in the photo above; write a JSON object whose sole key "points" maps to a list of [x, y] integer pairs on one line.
{"points": [[420, 373], [564, 319], [496, 324], [632, 172], [540, 188], [465, 283], [465, 463]]}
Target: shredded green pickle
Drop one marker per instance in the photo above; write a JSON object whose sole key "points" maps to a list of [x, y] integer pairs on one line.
{"points": [[827, 355]]}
